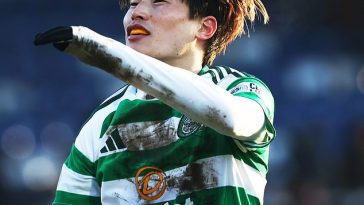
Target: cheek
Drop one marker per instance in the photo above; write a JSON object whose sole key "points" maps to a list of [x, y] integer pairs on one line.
{"points": [[126, 19]]}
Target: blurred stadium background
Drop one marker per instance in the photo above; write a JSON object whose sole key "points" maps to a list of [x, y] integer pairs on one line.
{"points": [[310, 54]]}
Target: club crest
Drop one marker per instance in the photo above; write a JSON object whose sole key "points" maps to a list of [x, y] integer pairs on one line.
{"points": [[187, 127]]}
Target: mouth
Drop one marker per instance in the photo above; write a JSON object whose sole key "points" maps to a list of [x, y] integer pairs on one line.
{"points": [[137, 29]]}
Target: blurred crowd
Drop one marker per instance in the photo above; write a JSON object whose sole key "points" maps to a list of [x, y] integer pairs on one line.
{"points": [[311, 55]]}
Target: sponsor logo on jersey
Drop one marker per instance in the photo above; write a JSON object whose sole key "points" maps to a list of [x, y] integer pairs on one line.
{"points": [[150, 182], [187, 127], [113, 142], [247, 87], [254, 88]]}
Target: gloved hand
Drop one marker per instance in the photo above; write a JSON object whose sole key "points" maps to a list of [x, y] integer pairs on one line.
{"points": [[60, 36], [102, 52], [83, 43]]}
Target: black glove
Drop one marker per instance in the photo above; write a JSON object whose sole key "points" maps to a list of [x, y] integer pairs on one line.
{"points": [[84, 44], [60, 36]]}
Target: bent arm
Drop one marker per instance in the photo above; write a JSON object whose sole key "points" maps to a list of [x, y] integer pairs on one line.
{"points": [[185, 91]]}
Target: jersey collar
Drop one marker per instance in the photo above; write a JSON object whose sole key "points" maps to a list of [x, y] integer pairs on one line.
{"points": [[203, 70]]}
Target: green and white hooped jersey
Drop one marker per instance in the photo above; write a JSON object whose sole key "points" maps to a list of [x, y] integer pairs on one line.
{"points": [[134, 149]]}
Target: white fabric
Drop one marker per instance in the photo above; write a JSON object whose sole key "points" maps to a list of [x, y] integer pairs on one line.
{"points": [[76, 183], [229, 172], [185, 91]]}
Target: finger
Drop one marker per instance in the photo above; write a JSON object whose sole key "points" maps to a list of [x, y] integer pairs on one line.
{"points": [[54, 35]]}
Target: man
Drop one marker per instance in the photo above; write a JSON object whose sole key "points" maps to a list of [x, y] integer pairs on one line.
{"points": [[181, 131]]}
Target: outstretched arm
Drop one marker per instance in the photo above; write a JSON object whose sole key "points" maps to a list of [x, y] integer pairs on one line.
{"points": [[185, 91]]}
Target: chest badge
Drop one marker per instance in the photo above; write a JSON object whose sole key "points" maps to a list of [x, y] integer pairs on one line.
{"points": [[187, 127]]}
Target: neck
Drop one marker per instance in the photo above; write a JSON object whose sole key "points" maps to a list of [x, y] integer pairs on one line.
{"points": [[190, 61]]}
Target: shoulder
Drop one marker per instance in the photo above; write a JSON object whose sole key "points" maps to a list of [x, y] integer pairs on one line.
{"points": [[242, 84], [228, 78]]}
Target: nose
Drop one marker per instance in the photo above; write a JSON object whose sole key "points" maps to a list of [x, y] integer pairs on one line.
{"points": [[140, 11]]}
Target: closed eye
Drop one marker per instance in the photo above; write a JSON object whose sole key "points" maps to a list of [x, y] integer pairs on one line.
{"points": [[158, 1]]}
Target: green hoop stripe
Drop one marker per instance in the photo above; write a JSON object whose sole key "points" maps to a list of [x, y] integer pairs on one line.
{"points": [[79, 163], [75, 199]]}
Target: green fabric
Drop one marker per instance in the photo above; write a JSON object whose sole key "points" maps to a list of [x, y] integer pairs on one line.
{"points": [[117, 163], [75, 199], [106, 123], [135, 111], [79, 163], [205, 143]]}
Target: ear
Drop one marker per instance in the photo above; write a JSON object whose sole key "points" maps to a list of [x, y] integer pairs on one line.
{"points": [[208, 28]]}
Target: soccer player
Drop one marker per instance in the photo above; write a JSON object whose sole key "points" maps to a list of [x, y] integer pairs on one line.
{"points": [[182, 131]]}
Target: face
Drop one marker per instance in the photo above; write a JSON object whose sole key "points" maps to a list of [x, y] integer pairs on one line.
{"points": [[160, 28]]}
